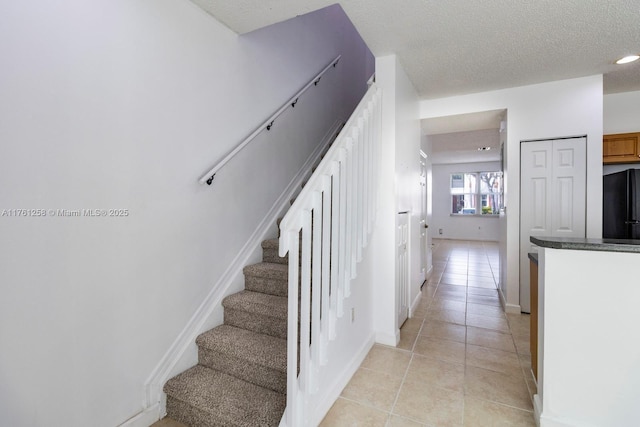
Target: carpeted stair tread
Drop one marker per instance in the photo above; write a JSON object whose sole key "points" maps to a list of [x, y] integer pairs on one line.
{"points": [[258, 303], [256, 358], [205, 397], [257, 312], [247, 345], [267, 270], [268, 278], [270, 252], [271, 243]]}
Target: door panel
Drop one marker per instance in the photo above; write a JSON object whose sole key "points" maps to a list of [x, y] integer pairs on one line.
{"points": [[570, 179], [565, 158], [565, 217], [539, 159], [539, 207], [535, 218], [552, 197]]}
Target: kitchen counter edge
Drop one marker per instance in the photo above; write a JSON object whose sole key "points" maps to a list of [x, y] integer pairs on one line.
{"points": [[583, 244]]}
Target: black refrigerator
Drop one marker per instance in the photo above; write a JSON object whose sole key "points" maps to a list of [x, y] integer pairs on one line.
{"points": [[621, 205]]}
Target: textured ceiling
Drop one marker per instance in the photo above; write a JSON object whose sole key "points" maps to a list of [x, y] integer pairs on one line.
{"points": [[456, 47]]}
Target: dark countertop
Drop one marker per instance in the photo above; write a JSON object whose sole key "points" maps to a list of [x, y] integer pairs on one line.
{"points": [[582, 244]]}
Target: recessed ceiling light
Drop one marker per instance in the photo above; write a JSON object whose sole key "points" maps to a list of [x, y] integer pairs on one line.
{"points": [[484, 148], [627, 59]]}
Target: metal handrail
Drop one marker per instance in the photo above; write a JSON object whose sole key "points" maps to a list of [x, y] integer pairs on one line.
{"points": [[267, 124]]}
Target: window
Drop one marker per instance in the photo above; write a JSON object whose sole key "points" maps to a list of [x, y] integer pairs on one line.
{"points": [[477, 193]]}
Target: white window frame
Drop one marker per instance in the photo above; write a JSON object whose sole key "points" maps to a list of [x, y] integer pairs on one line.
{"points": [[475, 194]]}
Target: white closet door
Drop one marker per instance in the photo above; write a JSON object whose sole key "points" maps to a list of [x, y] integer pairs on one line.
{"points": [[552, 196]]}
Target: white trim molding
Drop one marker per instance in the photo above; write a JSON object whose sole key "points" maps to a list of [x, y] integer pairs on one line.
{"points": [[414, 304], [537, 408], [508, 308], [387, 338], [145, 418]]}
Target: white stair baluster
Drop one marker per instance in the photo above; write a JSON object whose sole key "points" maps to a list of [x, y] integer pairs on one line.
{"points": [[335, 247], [324, 234], [326, 268], [316, 288]]}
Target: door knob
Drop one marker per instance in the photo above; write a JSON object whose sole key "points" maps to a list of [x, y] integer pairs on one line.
{"points": [[426, 226]]}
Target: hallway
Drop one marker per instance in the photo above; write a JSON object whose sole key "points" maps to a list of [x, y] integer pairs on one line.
{"points": [[460, 362]]}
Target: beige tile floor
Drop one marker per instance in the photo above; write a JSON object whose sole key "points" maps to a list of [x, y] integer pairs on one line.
{"points": [[460, 362]]}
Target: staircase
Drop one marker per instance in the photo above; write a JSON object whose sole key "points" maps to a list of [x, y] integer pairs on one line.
{"points": [[247, 372], [241, 376]]}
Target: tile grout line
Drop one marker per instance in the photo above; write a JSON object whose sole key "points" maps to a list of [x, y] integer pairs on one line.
{"points": [[395, 401], [435, 287], [404, 378]]}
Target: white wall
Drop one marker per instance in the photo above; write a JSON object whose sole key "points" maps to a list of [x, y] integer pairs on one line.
{"points": [[408, 173], [548, 110], [119, 104], [607, 169], [383, 239], [621, 112], [399, 191], [463, 227], [621, 115], [502, 221], [589, 375], [426, 147], [353, 340]]}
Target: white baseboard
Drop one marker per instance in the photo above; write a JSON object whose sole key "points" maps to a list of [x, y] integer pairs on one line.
{"points": [[537, 408], [503, 300], [388, 338], [196, 325], [328, 399], [414, 304], [429, 272], [145, 418], [512, 309], [546, 421], [508, 308]]}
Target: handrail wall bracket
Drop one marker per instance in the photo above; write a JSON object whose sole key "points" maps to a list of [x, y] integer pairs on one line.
{"points": [[267, 124]]}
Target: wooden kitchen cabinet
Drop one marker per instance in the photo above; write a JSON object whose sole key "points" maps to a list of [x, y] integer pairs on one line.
{"points": [[621, 148]]}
